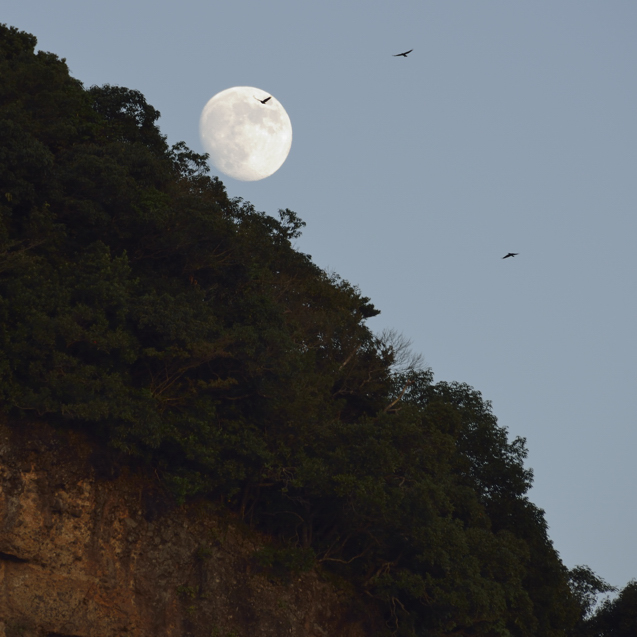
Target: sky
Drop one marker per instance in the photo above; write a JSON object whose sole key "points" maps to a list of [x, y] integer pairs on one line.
{"points": [[512, 127]]}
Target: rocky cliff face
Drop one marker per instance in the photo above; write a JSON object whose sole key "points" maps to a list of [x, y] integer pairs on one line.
{"points": [[87, 553]]}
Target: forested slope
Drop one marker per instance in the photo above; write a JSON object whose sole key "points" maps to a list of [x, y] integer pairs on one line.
{"points": [[140, 304]]}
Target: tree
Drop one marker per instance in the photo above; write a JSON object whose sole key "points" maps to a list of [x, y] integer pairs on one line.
{"points": [[586, 587], [615, 617]]}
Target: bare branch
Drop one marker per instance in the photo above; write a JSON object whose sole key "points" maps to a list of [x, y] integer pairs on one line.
{"points": [[402, 393], [397, 348], [335, 559], [349, 358]]}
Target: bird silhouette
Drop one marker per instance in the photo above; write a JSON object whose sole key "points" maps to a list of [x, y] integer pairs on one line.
{"points": [[511, 254], [262, 101], [405, 54]]}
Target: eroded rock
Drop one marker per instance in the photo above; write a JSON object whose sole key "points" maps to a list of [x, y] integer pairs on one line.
{"points": [[88, 552]]}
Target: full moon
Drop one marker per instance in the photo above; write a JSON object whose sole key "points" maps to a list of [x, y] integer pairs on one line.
{"points": [[247, 139]]}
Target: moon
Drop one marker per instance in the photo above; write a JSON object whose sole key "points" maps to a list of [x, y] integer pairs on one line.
{"points": [[246, 140]]}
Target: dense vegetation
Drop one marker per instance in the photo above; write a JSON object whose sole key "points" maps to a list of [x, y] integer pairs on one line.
{"points": [[140, 303]]}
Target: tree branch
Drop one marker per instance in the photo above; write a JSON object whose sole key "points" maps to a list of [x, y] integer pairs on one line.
{"points": [[402, 393]]}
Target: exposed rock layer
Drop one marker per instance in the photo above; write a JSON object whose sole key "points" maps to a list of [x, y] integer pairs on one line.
{"points": [[87, 553]]}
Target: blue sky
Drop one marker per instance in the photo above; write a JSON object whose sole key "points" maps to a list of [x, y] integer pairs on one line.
{"points": [[511, 127]]}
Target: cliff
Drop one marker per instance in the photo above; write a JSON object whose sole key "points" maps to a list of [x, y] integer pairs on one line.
{"points": [[93, 551]]}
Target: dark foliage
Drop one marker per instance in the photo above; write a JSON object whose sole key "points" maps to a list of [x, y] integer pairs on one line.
{"points": [[141, 304], [615, 617], [587, 587]]}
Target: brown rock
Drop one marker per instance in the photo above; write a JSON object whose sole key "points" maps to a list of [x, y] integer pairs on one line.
{"points": [[88, 551]]}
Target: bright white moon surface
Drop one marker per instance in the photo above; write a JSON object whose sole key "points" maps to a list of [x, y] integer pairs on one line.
{"points": [[246, 140]]}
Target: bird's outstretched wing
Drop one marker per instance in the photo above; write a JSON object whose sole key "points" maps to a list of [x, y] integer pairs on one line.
{"points": [[262, 101], [405, 54], [511, 254]]}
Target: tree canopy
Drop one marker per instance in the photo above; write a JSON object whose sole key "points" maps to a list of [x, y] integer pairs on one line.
{"points": [[615, 617], [140, 303]]}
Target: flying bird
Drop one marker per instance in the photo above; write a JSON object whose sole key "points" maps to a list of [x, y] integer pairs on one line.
{"points": [[262, 101], [511, 254], [405, 54]]}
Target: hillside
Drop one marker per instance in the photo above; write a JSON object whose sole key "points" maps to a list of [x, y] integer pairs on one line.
{"points": [[183, 333]]}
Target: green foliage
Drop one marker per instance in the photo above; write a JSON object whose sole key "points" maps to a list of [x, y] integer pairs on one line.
{"points": [[141, 304], [614, 617], [586, 587], [188, 592], [281, 563]]}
